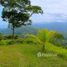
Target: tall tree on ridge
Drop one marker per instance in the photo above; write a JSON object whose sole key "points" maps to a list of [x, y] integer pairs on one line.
{"points": [[18, 12]]}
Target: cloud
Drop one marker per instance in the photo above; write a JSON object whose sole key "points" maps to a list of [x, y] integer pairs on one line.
{"points": [[54, 10]]}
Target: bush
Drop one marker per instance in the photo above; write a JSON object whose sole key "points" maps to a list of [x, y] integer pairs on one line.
{"points": [[20, 40], [1, 37], [61, 55], [11, 42], [15, 41], [55, 38], [2, 42], [31, 41], [10, 37]]}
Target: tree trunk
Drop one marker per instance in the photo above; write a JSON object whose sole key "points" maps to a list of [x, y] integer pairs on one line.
{"points": [[13, 32], [43, 47]]}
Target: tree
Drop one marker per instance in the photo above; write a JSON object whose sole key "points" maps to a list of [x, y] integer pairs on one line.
{"points": [[55, 37], [43, 36], [18, 12], [49, 36]]}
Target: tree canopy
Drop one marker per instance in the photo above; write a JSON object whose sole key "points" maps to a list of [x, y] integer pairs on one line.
{"points": [[18, 12]]}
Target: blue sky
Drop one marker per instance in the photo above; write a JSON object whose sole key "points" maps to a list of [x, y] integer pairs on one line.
{"points": [[54, 11]]}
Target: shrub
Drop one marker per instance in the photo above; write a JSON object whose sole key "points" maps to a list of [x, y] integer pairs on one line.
{"points": [[31, 39], [43, 35], [11, 42], [55, 38], [20, 40], [15, 41], [1, 36], [2, 42], [10, 37], [61, 55]]}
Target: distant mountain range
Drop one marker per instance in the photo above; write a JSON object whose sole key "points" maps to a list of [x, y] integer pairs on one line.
{"points": [[21, 30], [60, 27]]}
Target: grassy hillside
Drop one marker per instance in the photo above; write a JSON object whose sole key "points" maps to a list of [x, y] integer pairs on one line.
{"points": [[25, 55]]}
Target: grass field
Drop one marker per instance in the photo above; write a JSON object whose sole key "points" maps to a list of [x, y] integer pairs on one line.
{"points": [[25, 55]]}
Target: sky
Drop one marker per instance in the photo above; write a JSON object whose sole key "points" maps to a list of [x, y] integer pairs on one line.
{"points": [[53, 11]]}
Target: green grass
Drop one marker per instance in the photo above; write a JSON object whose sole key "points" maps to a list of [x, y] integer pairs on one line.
{"points": [[25, 55], [55, 49]]}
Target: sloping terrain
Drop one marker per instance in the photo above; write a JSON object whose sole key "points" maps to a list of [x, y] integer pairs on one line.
{"points": [[25, 55]]}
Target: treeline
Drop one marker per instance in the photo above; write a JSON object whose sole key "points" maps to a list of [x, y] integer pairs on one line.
{"points": [[43, 35]]}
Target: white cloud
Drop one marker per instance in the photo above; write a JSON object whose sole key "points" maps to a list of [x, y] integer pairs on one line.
{"points": [[54, 10]]}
